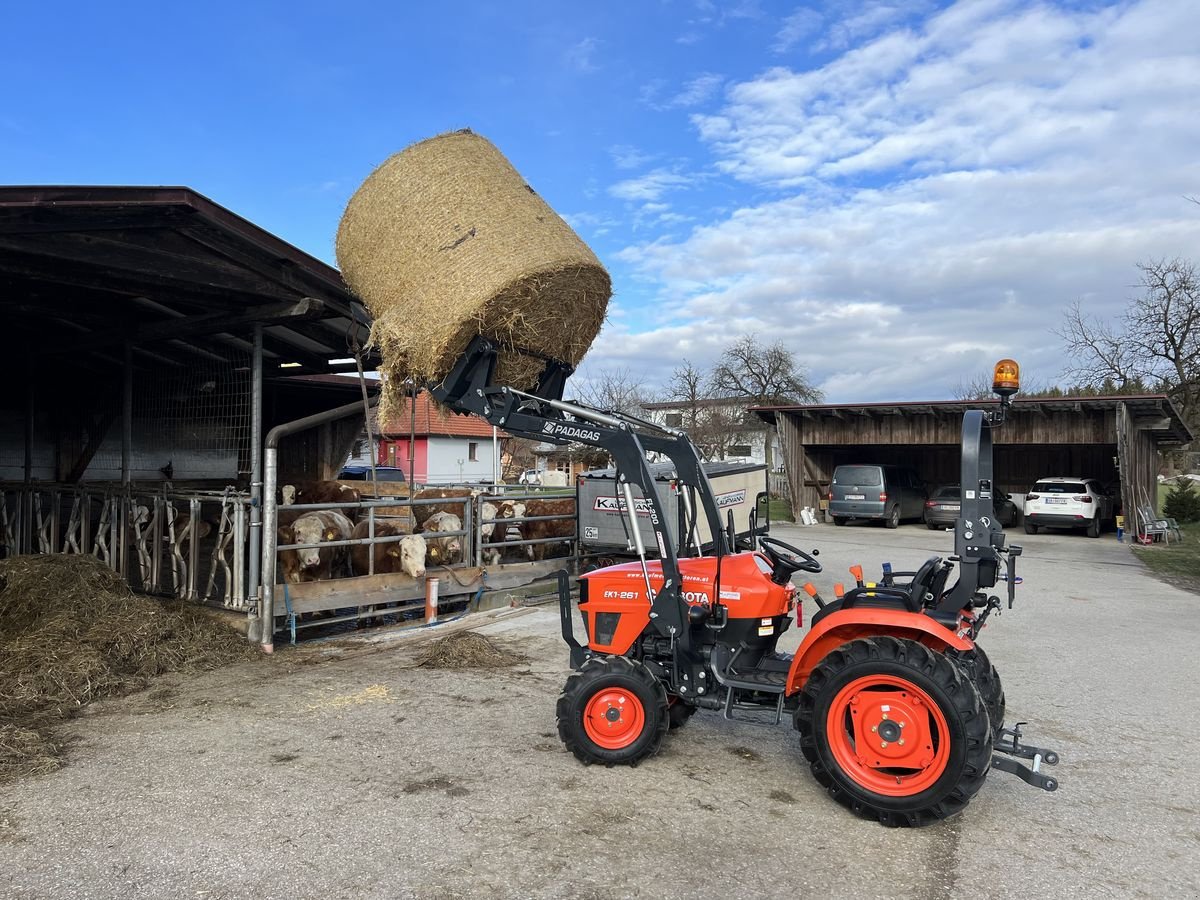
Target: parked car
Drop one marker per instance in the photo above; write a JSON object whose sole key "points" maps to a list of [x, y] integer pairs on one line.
{"points": [[530, 476], [363, 473], [883, 493], [943, 505], [1067, 502]]}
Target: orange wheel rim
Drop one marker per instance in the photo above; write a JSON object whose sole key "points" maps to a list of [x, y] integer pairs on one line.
{"points": [[888, 735], [614, 718]]}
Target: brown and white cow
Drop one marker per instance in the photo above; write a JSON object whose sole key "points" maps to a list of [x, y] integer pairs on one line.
{"points": [[316, 563], [550, 528], [443, 551], [502, 530], [406, 555], [320, 492], [454, 501]]}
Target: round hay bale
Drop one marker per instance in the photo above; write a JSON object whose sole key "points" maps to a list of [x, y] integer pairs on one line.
{"points": [[446, 241]]}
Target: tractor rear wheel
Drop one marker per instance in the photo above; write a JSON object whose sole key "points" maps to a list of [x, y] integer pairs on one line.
{"points": [[612, 711], [894, 731], [979, 669]]}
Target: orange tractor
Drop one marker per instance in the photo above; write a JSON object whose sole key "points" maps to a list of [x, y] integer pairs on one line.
{"points": [[900, 713]]}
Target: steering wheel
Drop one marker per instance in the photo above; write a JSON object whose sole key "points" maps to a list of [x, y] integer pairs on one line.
{"points": [[787, 559]]}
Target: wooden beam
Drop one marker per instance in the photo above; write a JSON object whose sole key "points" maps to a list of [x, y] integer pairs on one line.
{"points": [[192, 326]]}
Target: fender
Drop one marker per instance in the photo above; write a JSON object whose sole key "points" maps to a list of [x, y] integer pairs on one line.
{"points": [[847, 625]]}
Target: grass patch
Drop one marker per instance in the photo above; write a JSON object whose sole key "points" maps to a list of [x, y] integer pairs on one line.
{"points": [[1177, 563], [781, 510]]}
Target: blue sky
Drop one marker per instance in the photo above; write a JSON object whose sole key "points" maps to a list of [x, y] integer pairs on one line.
{"points": [[900, 191]]}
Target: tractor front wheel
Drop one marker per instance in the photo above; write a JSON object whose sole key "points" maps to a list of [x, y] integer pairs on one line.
{"points": [[894, 731], [612, 711], [678, 712]]}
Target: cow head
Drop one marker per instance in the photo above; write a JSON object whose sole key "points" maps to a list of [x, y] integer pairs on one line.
{"points": [[412, 555], [288, 494], [311, 530]]}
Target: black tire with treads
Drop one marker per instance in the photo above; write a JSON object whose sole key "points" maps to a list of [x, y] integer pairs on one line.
{"points": [[904, 662], [979, 668], [613, 674]]}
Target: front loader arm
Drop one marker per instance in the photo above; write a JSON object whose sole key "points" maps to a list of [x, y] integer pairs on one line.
{"points": [[543, 415]]}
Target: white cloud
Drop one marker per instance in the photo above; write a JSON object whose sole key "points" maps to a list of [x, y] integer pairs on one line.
{"points": [[797, 26], [626, 157], [695, 91], [649, 187], [581, 56], [935, 196]]}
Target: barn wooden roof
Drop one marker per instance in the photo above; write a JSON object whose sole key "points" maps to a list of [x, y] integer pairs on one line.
{"points": [[1152, 412], [85, 269]]}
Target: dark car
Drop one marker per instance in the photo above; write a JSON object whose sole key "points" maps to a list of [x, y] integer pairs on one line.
{"points": [[887, 493], [363, 473], [942, 507]]}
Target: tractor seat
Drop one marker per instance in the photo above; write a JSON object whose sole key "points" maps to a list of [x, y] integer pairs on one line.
{"points": [[929, 579]]}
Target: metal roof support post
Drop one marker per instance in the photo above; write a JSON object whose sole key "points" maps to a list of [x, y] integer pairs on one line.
{"points": [[25, 537], [254, 589], [266, 610], [126, 459]]}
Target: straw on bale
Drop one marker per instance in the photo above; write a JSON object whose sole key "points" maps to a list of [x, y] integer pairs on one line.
{"points": [[71, 632], [445, 241], [468, 650]]}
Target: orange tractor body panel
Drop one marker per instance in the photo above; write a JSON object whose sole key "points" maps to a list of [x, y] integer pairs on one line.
{"points": [[747, 592]]}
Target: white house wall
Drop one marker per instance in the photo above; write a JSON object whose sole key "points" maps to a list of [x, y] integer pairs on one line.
{"points": [[445, 454]]}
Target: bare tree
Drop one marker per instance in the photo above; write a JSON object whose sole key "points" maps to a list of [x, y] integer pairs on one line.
{"points": [[1155, 344], [615, 390], [763, 374], [689, 388]]}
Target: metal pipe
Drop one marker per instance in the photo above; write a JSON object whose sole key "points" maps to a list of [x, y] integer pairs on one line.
{"points": [[495, 456], [266, 612], [637, 536], [579, 412], [254, 588]]}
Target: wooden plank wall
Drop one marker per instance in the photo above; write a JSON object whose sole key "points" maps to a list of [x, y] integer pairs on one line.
{"points": [[1139, 466], [1028, 447]]}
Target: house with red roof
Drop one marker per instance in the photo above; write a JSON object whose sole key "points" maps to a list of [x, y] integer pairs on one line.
{"points": [[447, 448]]}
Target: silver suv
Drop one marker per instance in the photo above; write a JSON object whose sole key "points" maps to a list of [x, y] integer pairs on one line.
{"points": [[890, 493], [1067, 502]]}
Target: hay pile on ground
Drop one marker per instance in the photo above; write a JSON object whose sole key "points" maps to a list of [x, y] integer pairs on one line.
{"points": [[71, 632], [445, 241], [468, 650]]}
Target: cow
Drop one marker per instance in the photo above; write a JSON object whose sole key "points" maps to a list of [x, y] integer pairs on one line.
{"points": [[443, 551], [563, 527], [406, 555], [455, 501], [500, 530], [320, 492], [317, 563]]}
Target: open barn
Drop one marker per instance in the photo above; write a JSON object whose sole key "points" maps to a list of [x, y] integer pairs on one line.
{"points": [[174, 368], [1113, 439]]}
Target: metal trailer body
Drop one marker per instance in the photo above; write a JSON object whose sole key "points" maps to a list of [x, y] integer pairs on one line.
{"points": [[604, 524]]}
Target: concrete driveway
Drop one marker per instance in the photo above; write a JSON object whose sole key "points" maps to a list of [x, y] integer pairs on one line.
{"points": [[339, 770]]}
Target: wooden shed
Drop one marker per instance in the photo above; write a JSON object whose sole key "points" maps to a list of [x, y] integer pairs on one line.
{"points": [[1114, 439]]}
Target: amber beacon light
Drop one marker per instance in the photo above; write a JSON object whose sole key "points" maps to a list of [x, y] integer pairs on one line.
{"points": [[1006, 378]]}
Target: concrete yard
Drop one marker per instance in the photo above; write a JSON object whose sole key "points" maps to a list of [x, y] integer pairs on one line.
{"points": [[340, 770]]}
